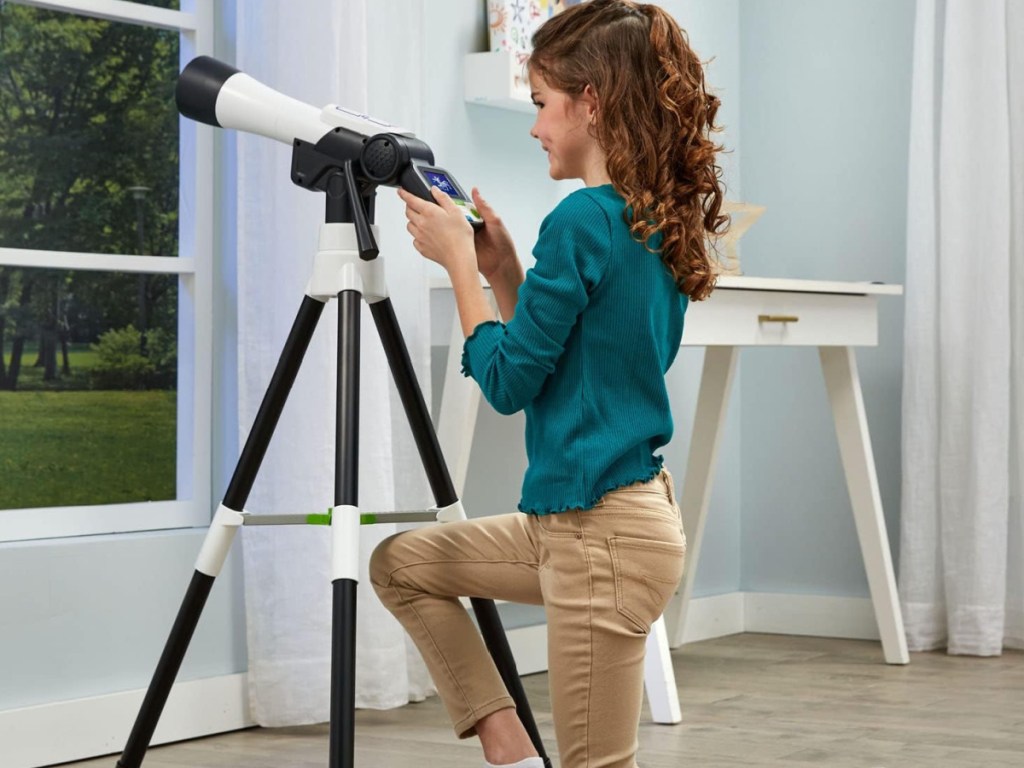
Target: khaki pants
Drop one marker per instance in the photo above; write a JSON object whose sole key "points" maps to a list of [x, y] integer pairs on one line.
{"points": [[603, 574]]}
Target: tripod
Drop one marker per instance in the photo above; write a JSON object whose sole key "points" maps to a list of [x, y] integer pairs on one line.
{"points": [[347, 268]]}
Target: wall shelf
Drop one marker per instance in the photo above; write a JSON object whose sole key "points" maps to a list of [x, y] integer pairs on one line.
{"points": [[494, 79]]}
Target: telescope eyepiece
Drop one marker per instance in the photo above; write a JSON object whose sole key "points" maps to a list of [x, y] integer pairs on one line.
{"points": [[199, 86]]}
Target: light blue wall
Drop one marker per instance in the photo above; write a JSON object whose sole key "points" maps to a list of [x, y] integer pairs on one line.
{"points": [[825, 125]]}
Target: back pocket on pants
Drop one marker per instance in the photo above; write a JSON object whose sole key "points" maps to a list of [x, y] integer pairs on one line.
{"points": [[647, 573]]}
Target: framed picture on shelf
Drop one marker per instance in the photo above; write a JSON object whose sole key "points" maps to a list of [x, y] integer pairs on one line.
{"points": [[512, 23]]}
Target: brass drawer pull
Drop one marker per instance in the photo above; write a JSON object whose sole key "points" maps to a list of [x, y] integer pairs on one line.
{"points": [[777, 319]]}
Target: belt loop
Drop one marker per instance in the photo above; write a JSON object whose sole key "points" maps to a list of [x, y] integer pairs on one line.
{"points": [[670, 484], [675, 503]]}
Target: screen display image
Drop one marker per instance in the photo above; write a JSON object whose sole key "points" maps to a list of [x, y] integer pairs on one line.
{"points": [[436, 179]]}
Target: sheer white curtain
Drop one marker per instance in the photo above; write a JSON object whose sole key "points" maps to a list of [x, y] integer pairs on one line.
{"points": [[317, 52], [961, 578]]}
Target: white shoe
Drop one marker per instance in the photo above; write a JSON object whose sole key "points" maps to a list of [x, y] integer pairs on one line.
{"points": [[527, 762]]}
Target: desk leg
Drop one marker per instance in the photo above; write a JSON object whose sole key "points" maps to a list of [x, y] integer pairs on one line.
{"points": [[660, 678], [708, 423], [840, 368], [460, 402]]}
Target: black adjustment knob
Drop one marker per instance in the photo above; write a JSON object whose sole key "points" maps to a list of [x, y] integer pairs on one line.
{"points": [[382, 159]]}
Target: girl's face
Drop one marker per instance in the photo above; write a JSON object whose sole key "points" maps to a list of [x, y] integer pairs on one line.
{"points": [[563, 130]]}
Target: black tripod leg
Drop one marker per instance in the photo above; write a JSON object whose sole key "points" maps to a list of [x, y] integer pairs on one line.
{"points": [[345, 536], [497, 643], [444, 493], [219, 537], [273, 403]]}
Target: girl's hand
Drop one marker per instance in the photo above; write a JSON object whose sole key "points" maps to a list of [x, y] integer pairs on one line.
{"points": [[439, 232], [494, 246]]}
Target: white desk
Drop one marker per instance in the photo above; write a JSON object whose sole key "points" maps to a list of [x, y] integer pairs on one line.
{"points": [[835, 317]]}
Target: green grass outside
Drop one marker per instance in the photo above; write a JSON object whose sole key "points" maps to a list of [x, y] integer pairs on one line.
{"points": [[80, 359], [71, 448]]}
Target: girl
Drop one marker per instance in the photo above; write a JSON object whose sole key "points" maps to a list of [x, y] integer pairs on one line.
{"points": [[586, 340]]}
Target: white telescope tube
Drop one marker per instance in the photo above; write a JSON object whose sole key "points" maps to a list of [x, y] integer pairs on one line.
{"points": [[216, 93]]}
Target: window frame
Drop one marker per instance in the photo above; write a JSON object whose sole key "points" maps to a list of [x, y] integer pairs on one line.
{"points": [[194, 267]]}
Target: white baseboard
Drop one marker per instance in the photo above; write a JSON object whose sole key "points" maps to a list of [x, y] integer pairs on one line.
{"points": [[780, 614], [715, 616], [815, 615], [99, 725]]}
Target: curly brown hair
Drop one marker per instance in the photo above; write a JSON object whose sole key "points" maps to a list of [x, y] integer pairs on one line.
{"points": [[654, 120]]}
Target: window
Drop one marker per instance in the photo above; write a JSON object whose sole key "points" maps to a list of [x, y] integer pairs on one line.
{"points": [[105, 269]]}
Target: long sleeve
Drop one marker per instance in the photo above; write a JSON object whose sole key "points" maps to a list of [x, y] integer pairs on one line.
{"points": [[511, 361]]}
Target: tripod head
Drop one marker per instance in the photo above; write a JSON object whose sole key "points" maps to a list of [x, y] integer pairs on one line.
{"points": [[325, 142]]}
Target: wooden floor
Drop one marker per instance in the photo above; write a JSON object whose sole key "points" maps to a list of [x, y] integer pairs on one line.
{"points": [[747, 700]]}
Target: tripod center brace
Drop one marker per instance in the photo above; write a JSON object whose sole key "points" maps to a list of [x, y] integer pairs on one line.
{"points": [[345, 155]]}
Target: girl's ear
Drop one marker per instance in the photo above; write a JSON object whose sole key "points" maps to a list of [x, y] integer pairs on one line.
{"points": [[589, 99]]}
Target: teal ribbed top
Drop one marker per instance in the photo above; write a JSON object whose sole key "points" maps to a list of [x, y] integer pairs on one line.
{"points": [[597, 324]]}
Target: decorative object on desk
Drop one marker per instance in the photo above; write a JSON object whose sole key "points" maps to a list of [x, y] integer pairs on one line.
{"points": [[743, 216], [513, 22]]}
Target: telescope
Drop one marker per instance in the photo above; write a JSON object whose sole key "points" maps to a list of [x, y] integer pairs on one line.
{"points": [[346, 155], [212, 92]]}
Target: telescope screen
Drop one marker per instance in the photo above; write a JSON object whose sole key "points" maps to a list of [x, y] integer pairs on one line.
{"points": [[443, 183]]}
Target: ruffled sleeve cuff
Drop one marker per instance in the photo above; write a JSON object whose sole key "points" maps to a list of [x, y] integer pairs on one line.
{"points": [[479, 347]]}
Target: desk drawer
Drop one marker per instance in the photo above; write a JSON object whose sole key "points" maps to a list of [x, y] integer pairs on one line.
{"points": [[776, 318]]}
